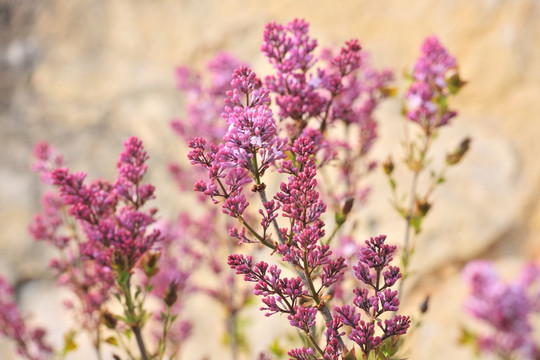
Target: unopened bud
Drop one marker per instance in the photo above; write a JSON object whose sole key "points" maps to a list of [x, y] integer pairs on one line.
{"points": [[388, 166], [108, 320], [347, 206], [422, 207], [454, 82], [119, 260], [425, 305], [457, 155], [258, 187], [149, 263], [171, 296], [343, 212]]}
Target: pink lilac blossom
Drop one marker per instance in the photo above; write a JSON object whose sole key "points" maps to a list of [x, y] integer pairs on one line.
{"points": [[506, 307], [88, 280], [374, 270], [109, 214], [47, 158], [314, 94], [30, 341], [299, 201], [205, 103], [115, 230], [204, 106], [424, 96], [250, 145]]}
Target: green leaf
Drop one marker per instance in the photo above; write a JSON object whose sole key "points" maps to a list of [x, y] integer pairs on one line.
{"points": [[276, 349], [392, 183], [69, 341], [349, 355], [390, 346], [379, 355], [111, 340], [416, 223]]}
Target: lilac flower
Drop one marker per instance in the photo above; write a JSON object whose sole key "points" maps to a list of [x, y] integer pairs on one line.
{"points": [[434, 63], [249, 147], [47, 159], [506, 307], [30, 342], [375, 299], [205, 103], [290, 49], [345, 90], [302, 354], [304, 318], [109, 214], [425, 97]]}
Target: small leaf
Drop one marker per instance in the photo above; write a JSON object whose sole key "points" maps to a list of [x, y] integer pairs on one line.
{"points": [[390, 346], [392, 183], [416, 223], [69, 341], [349, 354], [388, 91], [111, 340]]}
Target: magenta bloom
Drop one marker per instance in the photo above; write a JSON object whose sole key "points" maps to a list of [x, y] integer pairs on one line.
{"points": [[30, 342], [376, 298], [506, 307], [425, 97]]}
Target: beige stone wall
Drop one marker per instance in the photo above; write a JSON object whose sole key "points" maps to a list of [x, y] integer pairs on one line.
{"points": [[86, 74]]}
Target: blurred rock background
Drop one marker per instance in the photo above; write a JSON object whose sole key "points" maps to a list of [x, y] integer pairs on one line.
{"points": [[84, 75]]}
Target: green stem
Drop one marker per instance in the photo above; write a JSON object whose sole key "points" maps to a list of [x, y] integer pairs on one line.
{"points": [[334, 233], [133, 319], [418, 168], [314, 343]]}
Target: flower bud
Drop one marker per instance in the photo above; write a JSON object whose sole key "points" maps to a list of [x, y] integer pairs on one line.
{"points": [[425, 305], [108, 320], [457, 155], [422, 206], [119, 261], [454, 82], [347, 206], [170, 295], [341, 214], [149, 263], [388, 166]]}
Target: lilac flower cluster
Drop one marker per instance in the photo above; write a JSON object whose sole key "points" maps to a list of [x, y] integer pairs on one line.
{"points": [[433, 76], [88, 279], [30, 341], [110, 214], [204, 105], [249, 147], [318, 94], [506, 307], [104, 233], [345, 89], [374, 270]]}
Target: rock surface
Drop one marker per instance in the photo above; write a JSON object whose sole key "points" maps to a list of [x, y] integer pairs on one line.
{"points": [[84, 75]]}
